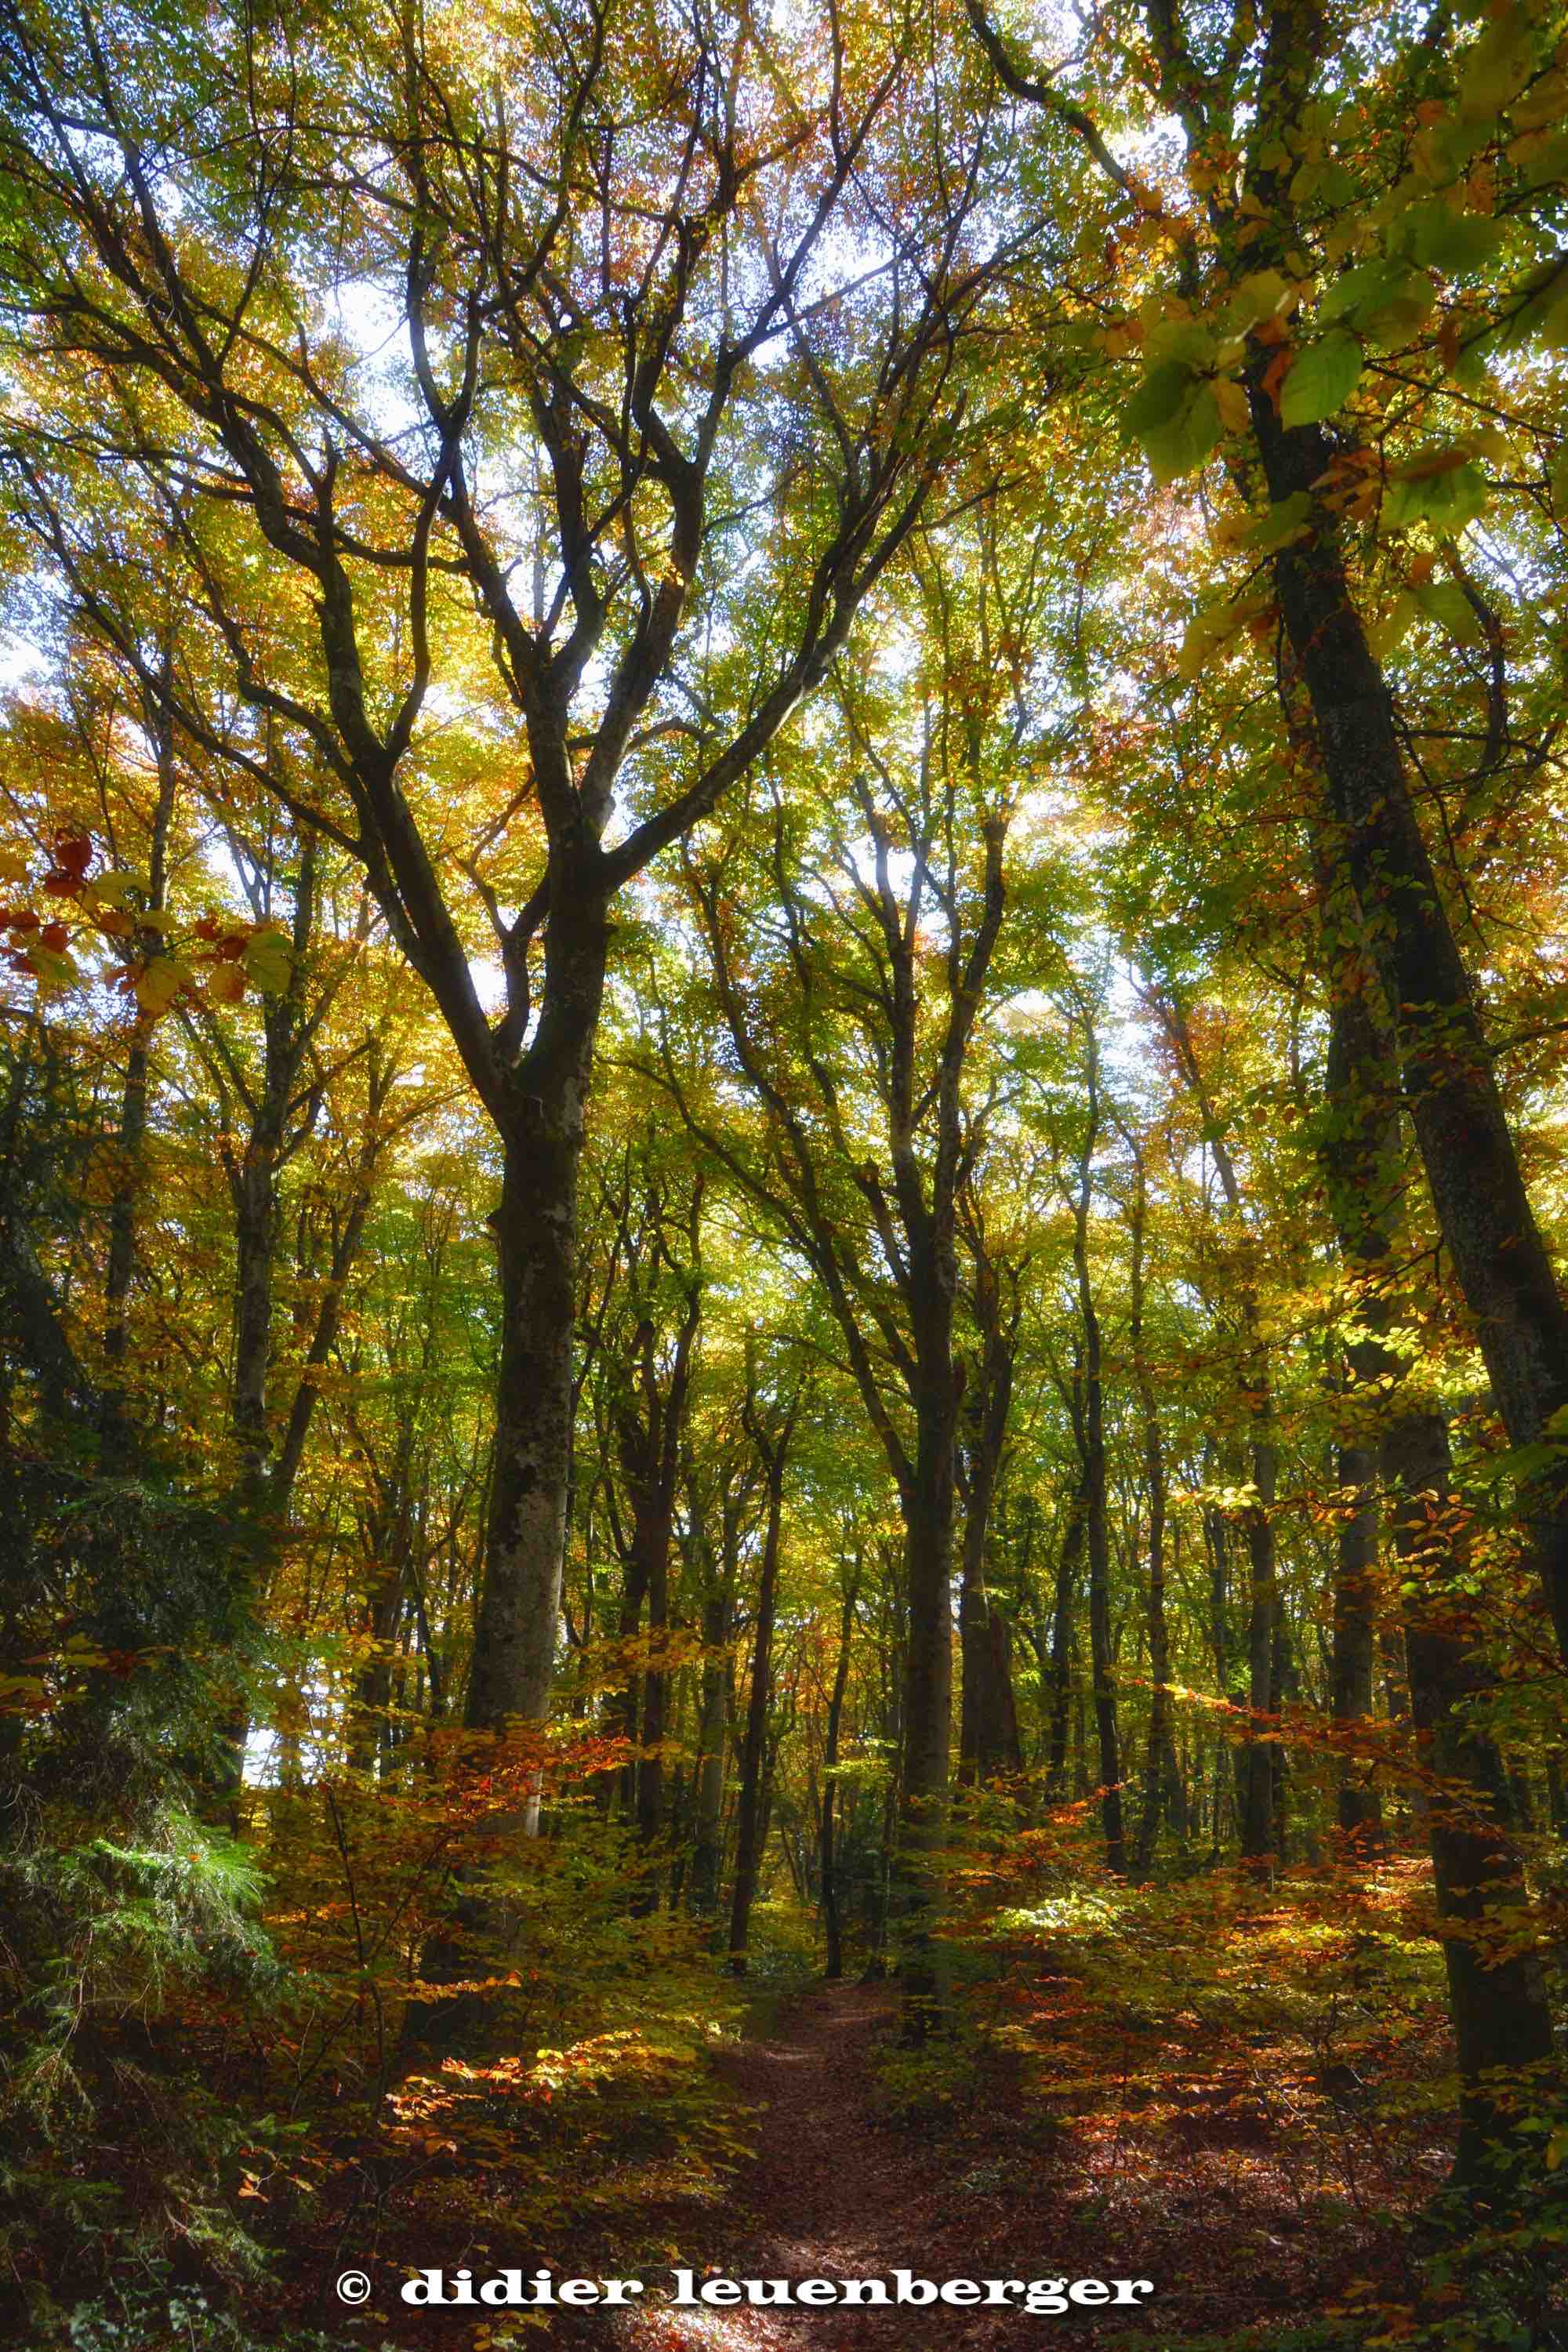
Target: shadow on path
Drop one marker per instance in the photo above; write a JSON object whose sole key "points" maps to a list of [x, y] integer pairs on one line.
{"points": [[833, 2192]]}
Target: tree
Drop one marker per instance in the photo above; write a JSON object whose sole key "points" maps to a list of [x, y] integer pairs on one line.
{"points": [[624, 344]]}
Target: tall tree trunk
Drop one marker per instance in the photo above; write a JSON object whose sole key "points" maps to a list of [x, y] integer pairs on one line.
{"points": [[653, 1538], [1069, 1561], [831, 1927], [1095, 1522], [708, 1808], [120, 1266], [1161, 1785], [1260, 1763], [1217, 1539], [535, 1229], [1502, 2023], [717, 1688], [988, 1715], [928, 1684], [649, 1413], [773, 1447], [1354, 1634], [1374, 835], [253, 1182], [1503, 2020], [514, 1642], [324, 1337]]}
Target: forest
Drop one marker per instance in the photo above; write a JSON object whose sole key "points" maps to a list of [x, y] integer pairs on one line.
{"points": [[784, 1151]]}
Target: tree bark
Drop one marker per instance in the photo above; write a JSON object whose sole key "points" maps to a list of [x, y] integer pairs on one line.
{"points": [[1161, 1783], [773, 1447], [1096, 1524], [535, 1229], [1069, 1561], [1374, 836], [707, 1830], [1260, 1762], [988, 1715], [120, 1266], [831, 1922], [253, 1182], [1354, 1636], [1502, 2023]]}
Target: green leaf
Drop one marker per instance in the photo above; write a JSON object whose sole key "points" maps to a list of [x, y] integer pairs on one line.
{"points": [[1449, 497], [1436, 237], [269, 961], [1386, 635], [1543, 161], [1523, 1462], [1176, 418], [1454, 144], [1323, 379], [1445, 602], [1185, 342], [1496, 67], [1158, 398], [110, 889], [1286, 522], [1258, 296], [1181, 446], [1384, 297]]}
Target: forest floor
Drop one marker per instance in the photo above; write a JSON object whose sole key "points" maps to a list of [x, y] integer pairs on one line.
{"points": [[841, 2186], [834, 2191]]}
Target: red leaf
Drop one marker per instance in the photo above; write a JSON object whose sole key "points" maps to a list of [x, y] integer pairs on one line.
{"points": [[74, 852]]}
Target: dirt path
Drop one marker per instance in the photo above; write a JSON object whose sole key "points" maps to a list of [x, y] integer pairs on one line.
{"points": [[834, 2192]]}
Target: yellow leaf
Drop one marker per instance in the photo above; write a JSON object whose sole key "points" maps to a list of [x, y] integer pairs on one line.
{"points": [[1260, 296], [1386, 634], [107, 889], [226, 985], [162, 981], [1231, 402]]}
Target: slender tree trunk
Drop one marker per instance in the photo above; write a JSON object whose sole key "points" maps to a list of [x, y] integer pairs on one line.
{"points": [[718, 1698], [1217, 1539], [1260, 1762], [1355, 1637], [653, 1537], [1260, 1756], [831, 1927], [988, 1715], [371, 1691], [1161, 1786], [1069, 1561], [750, 1834], [121, 1268], [625, 1711], [708, 1832], [1503, 2020], [323, 1338], [1096, 1524], [254, 1184], [928, 1692], [1104, 1688]]}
